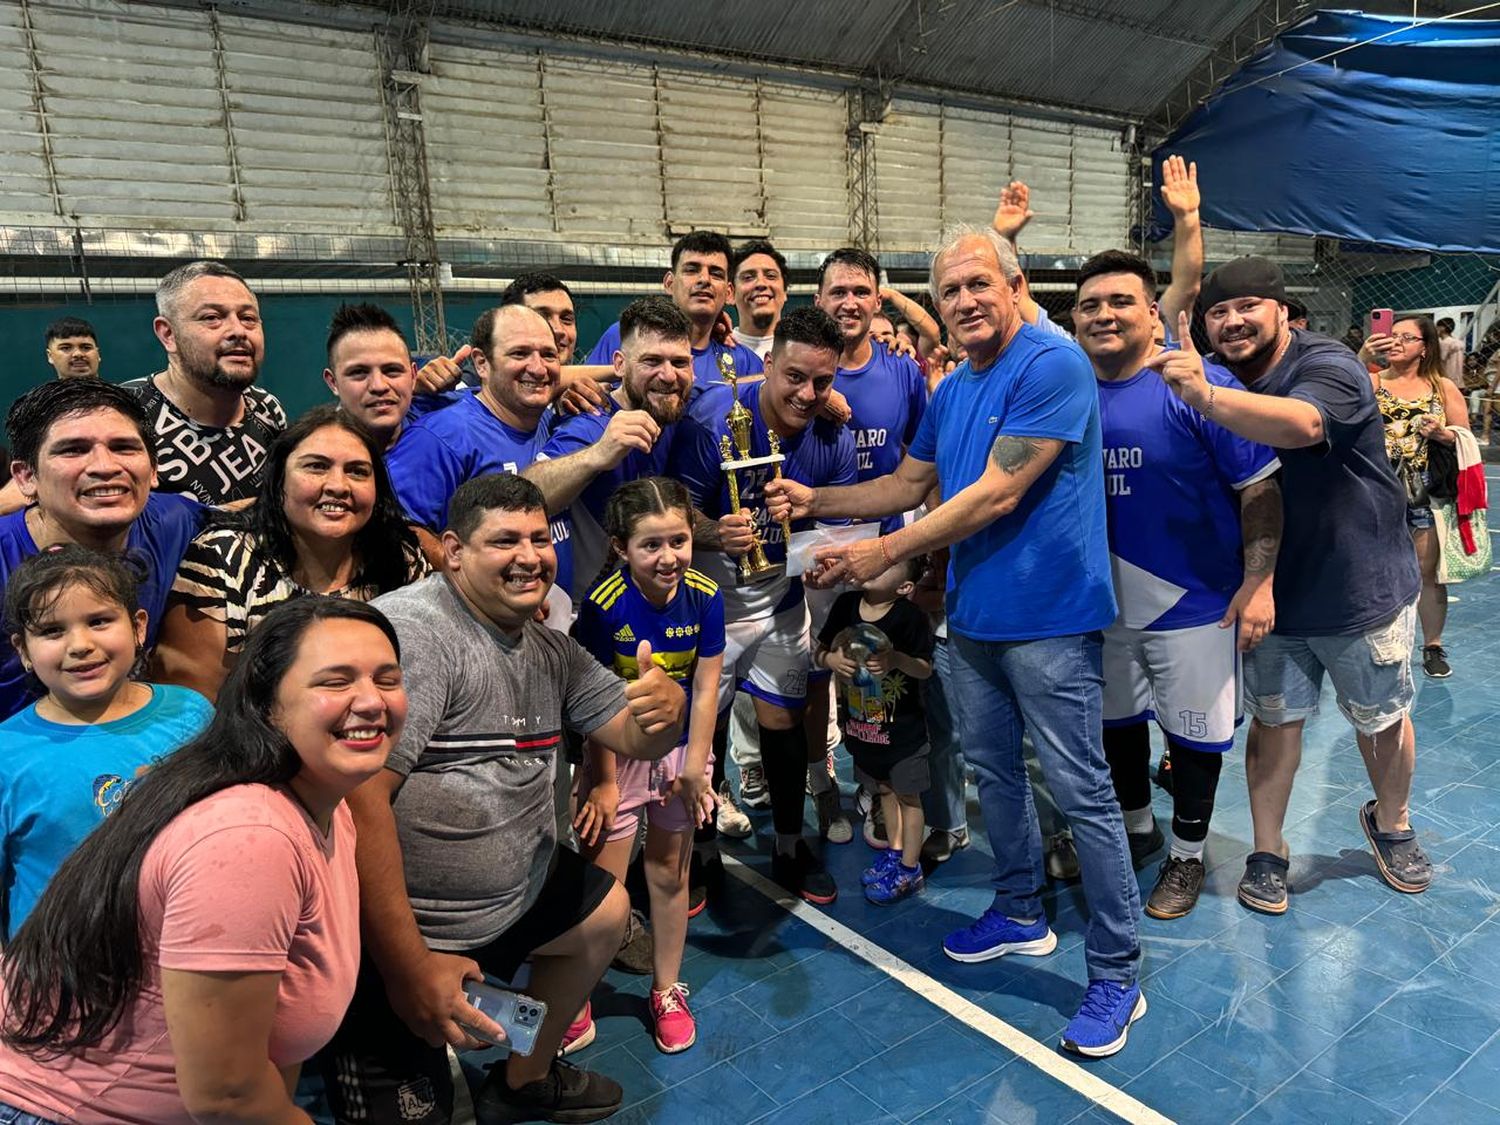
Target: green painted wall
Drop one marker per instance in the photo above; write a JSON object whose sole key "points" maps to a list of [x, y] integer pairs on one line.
{"points": [[296, 328]]}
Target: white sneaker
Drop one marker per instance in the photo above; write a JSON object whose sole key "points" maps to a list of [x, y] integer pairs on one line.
{"points": [[731, 821]]}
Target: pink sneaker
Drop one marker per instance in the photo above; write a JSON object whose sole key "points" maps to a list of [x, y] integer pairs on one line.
{"points": [[675, 1029], [580, 1032]]}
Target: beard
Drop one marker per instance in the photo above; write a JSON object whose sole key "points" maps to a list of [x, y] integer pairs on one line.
{"points": [[1263, 349], [205, 370], [663, 408]]}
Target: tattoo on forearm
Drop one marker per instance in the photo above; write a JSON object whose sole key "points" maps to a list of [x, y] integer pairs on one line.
{"points": [[1012, 454], [1260, 527]]}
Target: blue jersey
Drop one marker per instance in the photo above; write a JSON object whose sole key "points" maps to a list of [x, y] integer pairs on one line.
{"points": [[823, 454], [887, 398], [706, 371], [584, 519], [1042, 570], [443, 449], [58, 781], [1171, 478], [157, 541], [616, 617]]}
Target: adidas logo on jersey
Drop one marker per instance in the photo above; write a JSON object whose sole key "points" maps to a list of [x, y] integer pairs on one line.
{"points": [[624, 634]]}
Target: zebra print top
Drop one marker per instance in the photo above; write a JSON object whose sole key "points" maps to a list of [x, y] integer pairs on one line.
{"points": [[225, 577]]}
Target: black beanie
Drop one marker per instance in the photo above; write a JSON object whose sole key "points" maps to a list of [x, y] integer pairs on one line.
{"points": [[1243, 277]]}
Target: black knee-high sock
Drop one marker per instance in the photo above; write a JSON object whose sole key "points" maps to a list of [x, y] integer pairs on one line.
{"points": [[783, 755], [1128, 752], [1195, 780]]}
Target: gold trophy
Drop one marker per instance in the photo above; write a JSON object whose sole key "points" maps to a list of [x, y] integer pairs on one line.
{"points": [[736, 454]]}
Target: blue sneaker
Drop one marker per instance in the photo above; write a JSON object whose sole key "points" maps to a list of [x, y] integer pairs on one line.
{"points": [[898, 883], [885, 862], [995, 935], [1104, 1020]]}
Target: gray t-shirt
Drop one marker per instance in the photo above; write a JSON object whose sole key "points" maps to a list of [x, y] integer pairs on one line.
{"points": [[475, 815]]}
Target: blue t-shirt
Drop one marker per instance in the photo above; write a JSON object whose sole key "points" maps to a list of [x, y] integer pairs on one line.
{"points": [[1346, 562], [58, 781], [443, 449], [706, 371], [583, 521], [616, 617], [1042, 570], [821, 455], [1171, 479], [157, 541], [887, 398]]}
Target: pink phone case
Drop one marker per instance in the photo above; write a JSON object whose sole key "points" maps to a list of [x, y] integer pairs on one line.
{"points": [[1382, 321]]}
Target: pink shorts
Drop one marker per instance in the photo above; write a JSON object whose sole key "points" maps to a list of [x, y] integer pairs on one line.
{"points": [[642, 787]]}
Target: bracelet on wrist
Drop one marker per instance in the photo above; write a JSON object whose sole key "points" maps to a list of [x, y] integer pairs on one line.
{"points": [[1208, 411], [884, 553]]}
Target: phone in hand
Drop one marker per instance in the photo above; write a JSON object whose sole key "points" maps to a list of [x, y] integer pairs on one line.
{"points": [[518, 1014], [1382, 321]]}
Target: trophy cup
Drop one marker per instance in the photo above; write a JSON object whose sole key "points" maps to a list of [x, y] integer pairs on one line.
{"points": [[735, 449]]}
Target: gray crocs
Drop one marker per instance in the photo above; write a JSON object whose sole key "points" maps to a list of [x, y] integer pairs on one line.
{"points": [[1264, 886], [1402, 862]]}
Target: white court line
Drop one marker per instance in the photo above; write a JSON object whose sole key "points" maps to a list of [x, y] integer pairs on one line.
{"points": [[1044, 1058]]}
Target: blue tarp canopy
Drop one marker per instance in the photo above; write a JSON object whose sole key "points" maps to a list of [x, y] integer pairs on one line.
{"points": [[1394, 140]]}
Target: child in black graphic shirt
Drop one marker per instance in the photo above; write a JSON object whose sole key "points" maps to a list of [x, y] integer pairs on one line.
{"points": [[880, 711]]}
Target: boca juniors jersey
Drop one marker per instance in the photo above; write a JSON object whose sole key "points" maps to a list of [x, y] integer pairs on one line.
{"points": [[1171, 480], [821, 455], [616, 617]]}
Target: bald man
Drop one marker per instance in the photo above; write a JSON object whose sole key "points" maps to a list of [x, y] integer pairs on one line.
{"points": [[493, 430]]}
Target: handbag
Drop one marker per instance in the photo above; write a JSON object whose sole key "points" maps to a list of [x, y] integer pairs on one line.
{"points": [[1442, 471], [1457, 565], [1417, 495]]}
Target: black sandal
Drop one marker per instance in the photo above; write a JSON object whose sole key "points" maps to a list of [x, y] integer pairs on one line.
{"points": [[1263, 888], [1402, 862]]}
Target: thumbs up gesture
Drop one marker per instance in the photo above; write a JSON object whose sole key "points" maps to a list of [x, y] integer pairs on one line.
{"points": [[655, 701], [442, 372], [1182, 369]]}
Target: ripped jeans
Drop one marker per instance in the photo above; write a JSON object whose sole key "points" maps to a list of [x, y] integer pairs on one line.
{"points": [[1371, 674]]}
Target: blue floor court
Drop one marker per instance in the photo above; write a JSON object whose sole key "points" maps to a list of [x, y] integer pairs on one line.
{"points": [[1359, 1005]]}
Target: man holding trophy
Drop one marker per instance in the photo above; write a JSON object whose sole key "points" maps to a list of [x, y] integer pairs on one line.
{"points": [[736, 439]]}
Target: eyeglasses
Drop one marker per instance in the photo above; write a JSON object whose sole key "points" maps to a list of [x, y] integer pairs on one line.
{"points": [[1405, 337]]}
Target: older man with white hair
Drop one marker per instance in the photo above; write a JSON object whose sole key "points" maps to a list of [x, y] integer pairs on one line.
{"points": [[1012, 439]]}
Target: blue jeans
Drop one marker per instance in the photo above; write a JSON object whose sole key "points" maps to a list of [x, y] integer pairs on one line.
{"points": [[1053, 689], [10, 1115], [943, 804]]}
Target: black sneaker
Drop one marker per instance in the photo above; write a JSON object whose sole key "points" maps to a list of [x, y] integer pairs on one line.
{"points": [[753, 791], [1178, 885], [875, 834], [941, 844], [1164, 772], [803, 874], [566, 1094], [637, 948], [1435, 662], [1143, 845]]}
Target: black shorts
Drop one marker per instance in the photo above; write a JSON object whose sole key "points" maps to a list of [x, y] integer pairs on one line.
{"points": [[903, 770], [377, 1072]]}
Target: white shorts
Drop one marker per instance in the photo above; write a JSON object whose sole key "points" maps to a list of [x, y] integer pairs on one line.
{"points": [[1188, 680], [768, 657]]}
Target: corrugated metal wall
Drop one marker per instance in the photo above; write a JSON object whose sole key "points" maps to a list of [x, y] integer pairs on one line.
{"points": [[139, 116]]}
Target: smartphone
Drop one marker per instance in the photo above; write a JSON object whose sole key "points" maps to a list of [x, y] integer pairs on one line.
{"points": [[1382, 321], [518, 1014]]}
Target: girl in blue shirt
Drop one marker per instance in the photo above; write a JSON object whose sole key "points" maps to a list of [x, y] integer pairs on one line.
{"points": [[74, 617], [655, 608]]}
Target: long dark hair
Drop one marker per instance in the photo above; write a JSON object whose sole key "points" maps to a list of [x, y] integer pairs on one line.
{"points": [[385, 549], [75, 965]]}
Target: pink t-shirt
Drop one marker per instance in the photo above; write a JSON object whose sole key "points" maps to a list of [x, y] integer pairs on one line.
{"points": [[241, 882]]}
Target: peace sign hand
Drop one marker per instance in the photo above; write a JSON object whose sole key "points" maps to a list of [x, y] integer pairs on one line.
{"points": [[1182, 369]]}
